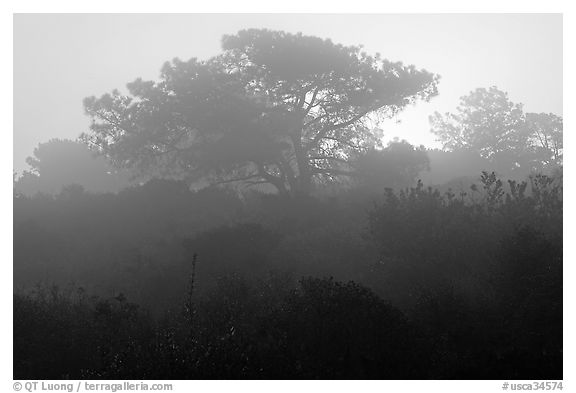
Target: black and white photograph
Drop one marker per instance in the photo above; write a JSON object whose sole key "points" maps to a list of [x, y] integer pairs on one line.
{"points": [[286, 196]]}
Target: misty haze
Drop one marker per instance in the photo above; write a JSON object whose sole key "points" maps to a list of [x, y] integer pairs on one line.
{"points": [[288, 196]]}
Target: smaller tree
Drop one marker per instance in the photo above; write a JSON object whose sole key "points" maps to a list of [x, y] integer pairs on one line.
{"points": [[487, 122], [59, 163]]}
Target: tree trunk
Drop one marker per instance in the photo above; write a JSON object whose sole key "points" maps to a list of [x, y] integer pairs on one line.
{"points": [[304, 181]]}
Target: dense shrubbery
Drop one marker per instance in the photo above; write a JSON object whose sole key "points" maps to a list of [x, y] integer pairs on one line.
{"points": [[465, 285], [484, 278], [273, 328]]}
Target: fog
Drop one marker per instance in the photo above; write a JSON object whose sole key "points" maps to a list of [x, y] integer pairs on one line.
{"points": [[93, 54], [279, 197]]}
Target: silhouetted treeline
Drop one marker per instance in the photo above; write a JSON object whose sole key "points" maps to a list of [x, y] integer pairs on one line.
{"points": [[58, 164], [453, 285]]}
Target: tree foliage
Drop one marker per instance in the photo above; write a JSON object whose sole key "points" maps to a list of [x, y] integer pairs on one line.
{"points": [[274, 107], [487, 122], [396, 166], [545, 132], [60, 162]]}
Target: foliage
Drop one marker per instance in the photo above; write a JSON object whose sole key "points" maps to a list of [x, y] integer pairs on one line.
{"points": [[545, 130], [487, 122], [478, 271], [447, 285], [396, 166], [256, 114], [274, 328], [66, 334], [131, 241], [60, 163]]}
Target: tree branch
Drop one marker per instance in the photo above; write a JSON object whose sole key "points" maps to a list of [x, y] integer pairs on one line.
{"points": [[237, 179], [330, 158], [328, 171], [322, 133], [343, 142], [311, 104], [316, 119]]}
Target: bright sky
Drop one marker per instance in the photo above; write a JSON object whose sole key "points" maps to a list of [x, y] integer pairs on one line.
{"points": [[61, 58]]}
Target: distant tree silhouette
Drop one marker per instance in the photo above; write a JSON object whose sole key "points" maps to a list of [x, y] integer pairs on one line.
{"points": [[488, 123], [60, 163], [277, 108]]}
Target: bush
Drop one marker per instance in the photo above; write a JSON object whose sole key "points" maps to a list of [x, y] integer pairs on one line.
{"points": [[447, 285], [482, 276], [273, 328]]}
